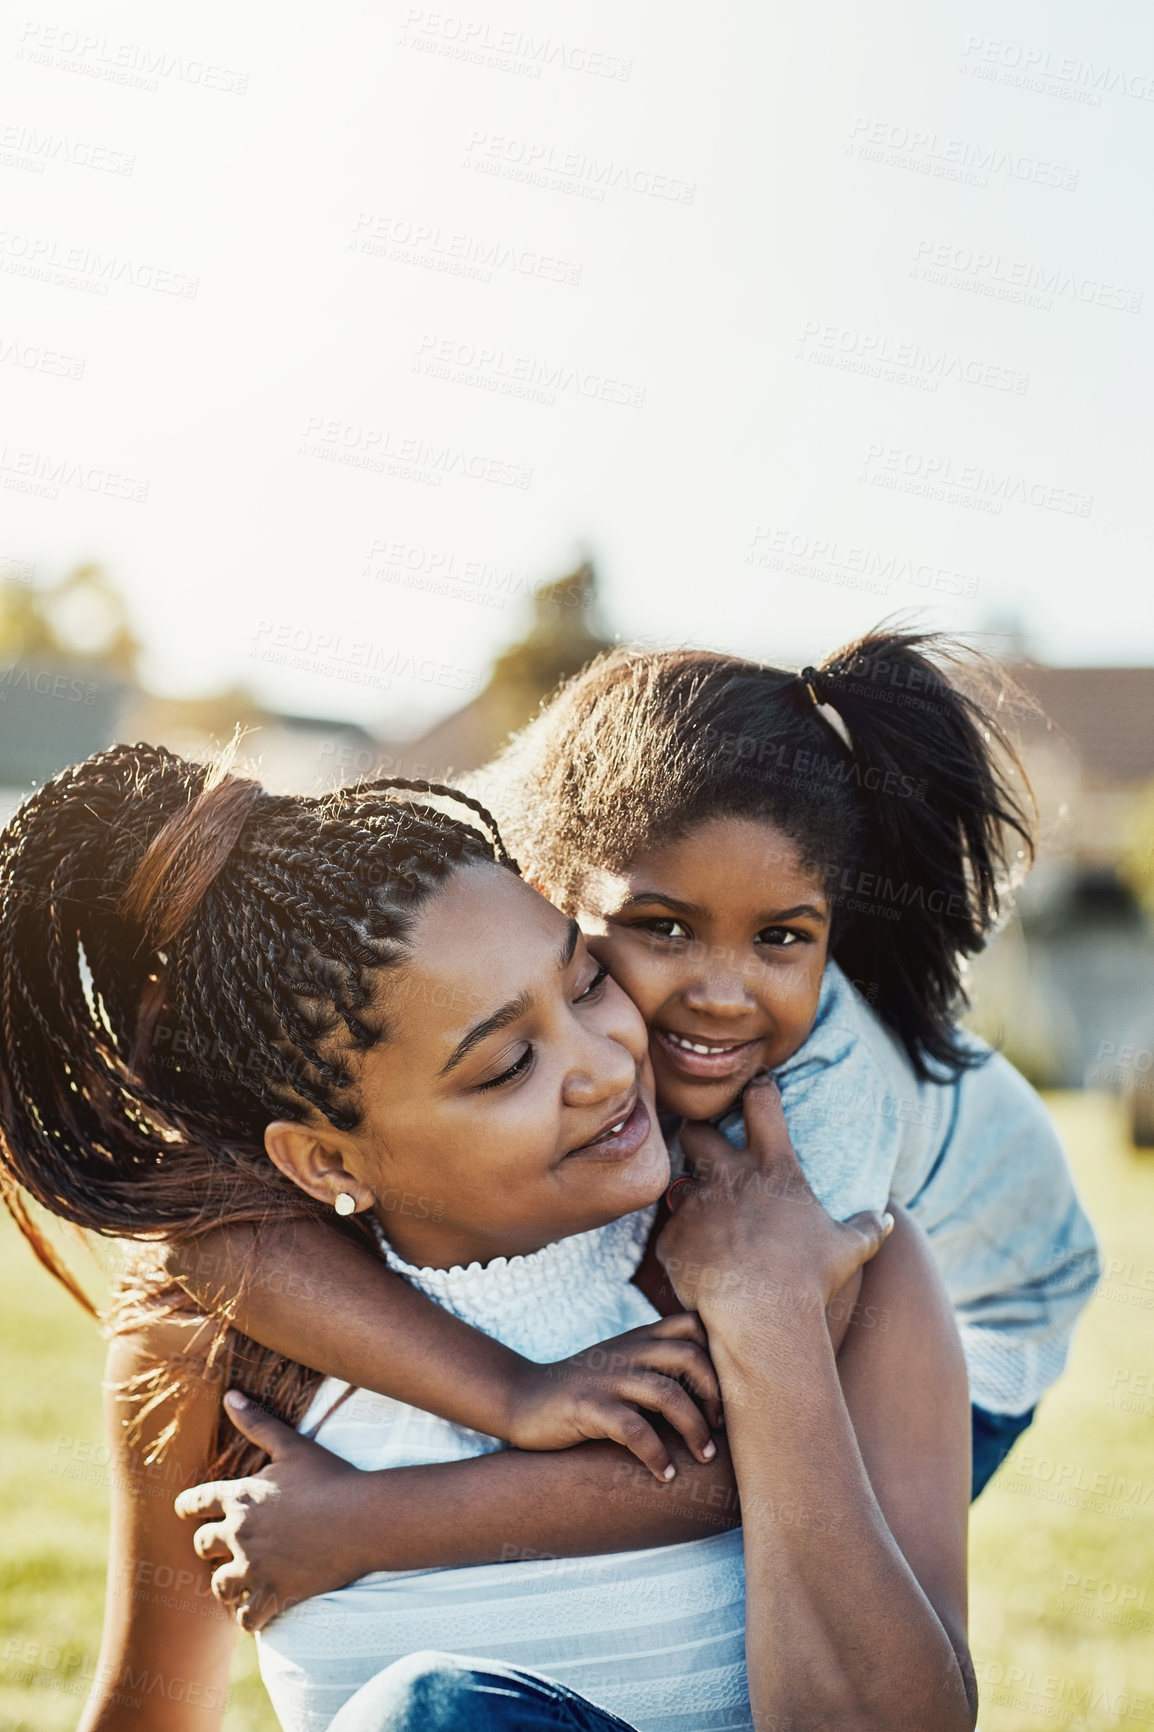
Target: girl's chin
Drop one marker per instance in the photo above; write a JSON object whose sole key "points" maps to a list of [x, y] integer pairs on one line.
{"points": [[700, 1099]]}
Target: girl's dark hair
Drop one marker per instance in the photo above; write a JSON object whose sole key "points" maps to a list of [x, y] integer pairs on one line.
{"points": [[887, 766], [184, 957]]}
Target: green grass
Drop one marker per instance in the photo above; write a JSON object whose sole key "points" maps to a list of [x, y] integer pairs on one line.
{"points": [[1075, 1500], [54, 1506], [1062, 1559]]}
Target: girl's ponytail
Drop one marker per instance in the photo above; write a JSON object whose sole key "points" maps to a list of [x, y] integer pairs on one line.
{"points": [[947, 826]]}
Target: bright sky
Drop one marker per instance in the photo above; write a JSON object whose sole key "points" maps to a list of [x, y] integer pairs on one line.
{"points": [[329, 330]]}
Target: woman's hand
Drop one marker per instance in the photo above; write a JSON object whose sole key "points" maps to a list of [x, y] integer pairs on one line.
{"points": [[598, 1392], [271, 1557], [748, 1238]]}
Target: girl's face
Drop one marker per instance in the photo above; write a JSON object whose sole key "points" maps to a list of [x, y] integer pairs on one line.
{"points": [[720, 939], [512, 1101]]}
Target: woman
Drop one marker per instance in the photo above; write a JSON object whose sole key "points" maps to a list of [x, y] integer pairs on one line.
{"points": [[217, 1002]]}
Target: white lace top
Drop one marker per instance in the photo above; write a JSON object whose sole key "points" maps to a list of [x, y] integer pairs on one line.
{"points": [[657, 1637]]}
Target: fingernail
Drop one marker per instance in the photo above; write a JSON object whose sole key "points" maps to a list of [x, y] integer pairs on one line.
{"points": [[709, 1451], [887, 1222], [669, 1472], [234, 1398]]}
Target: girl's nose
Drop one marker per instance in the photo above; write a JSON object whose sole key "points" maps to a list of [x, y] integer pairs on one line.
{"points": [[719, 993]]}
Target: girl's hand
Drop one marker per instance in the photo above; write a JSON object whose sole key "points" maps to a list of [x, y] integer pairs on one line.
{"points": [[597, 1393], [271, 1557], [748, 1241]]}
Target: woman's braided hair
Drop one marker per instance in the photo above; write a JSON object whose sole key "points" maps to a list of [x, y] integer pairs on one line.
{"points": [[184, 957]]}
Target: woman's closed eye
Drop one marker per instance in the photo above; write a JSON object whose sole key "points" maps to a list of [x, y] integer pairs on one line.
{"points": [[516, 1069], [588, 994]]}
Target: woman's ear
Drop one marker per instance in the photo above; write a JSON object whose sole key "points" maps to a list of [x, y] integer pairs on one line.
{"points": [[316, 1164]]}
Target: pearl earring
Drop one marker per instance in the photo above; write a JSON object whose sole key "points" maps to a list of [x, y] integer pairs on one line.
{"points": [[346, 1203]]}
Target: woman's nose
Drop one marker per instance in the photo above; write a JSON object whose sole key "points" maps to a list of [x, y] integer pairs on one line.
{"points": [[607, 1070]]}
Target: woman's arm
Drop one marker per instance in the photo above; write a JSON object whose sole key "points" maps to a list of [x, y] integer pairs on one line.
{"points": [[853, 1624], [310, 1522], [167, 1644]]}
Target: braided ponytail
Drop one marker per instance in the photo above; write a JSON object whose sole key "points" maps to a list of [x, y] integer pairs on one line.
{"points": [[184, 957]]}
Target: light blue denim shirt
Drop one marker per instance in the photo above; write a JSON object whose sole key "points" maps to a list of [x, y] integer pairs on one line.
{"points": [[978, 1163]]}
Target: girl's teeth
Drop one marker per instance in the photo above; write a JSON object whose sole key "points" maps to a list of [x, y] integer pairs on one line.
{"points": [[692, 1046]]}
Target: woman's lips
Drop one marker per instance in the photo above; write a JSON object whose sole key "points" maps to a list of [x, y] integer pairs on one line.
{"points": [[617, 1144], [721, 1060]]}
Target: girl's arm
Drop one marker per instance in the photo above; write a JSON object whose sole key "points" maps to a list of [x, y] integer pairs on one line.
{"points": [[167, 1644], [309, 1293], [309, 1522]]}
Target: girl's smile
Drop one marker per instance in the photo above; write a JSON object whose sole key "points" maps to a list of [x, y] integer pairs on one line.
{"points": [[698, 1056]]}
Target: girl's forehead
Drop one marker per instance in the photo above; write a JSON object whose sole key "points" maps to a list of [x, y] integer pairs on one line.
{"points": [[720, 860], [737, 844]]}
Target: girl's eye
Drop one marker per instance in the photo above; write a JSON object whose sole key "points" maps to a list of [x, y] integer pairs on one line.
{"points": [[594, 987], [780, 936], [506, 1076], [664, 928]]}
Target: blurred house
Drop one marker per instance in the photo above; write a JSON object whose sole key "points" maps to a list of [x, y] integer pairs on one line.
{"points": [[1073, 977], [68, 688]]}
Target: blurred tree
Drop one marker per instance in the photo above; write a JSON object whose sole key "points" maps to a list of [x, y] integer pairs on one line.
{"points": [[82, 619], [564, 635]]}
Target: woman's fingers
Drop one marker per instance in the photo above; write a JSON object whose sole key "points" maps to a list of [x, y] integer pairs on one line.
{"points": [[260, 1427], [201, 1503], [871, 1230], [211, 1541]]}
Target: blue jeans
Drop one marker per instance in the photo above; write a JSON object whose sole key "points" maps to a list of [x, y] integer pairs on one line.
{"points": [[431, 1692], [994, 1436]]}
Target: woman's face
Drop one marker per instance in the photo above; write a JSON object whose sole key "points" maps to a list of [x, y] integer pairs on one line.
{"points": [[512, 1102], [720, 939]]}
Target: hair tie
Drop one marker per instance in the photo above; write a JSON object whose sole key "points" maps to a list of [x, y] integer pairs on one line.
{"points": [[815, 684], [185, 857], [820, 687]]}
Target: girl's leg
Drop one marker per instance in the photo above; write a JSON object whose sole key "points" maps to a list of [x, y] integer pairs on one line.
{"points": [[994, 1436], [432, 1692]]}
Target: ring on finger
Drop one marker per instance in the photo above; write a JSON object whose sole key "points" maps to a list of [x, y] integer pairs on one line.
{"points": [[685, 1179]]}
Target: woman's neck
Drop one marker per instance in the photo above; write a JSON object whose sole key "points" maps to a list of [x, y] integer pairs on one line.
{"points": [[430, 1244]]}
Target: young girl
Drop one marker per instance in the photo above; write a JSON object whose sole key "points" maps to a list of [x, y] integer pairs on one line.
{"points": [[218, 1005], [789, 872], [785, 872]]}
